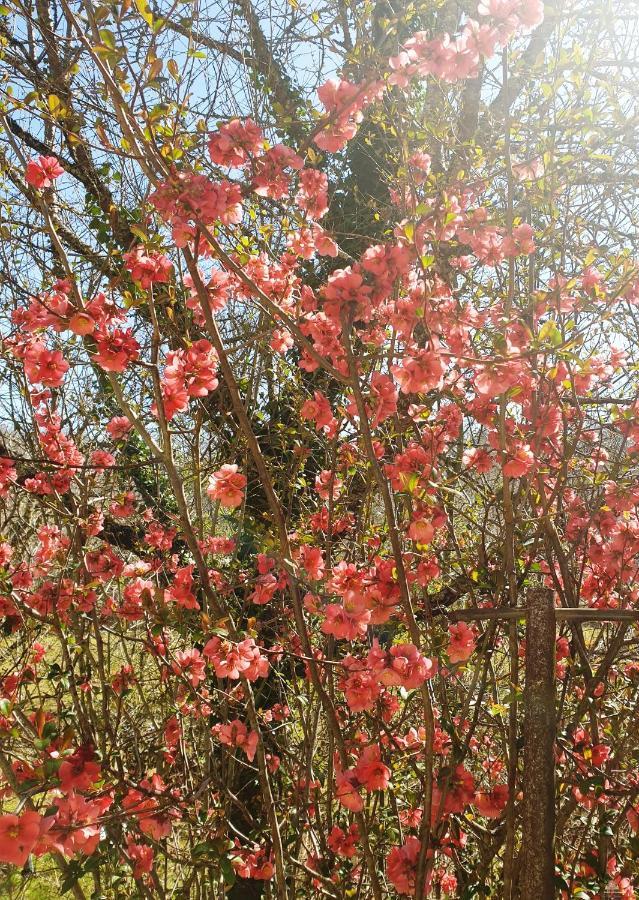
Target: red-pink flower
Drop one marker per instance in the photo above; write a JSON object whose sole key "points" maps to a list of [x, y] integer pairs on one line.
{"points": [[347, 791], [81, 323], [383, 396], [227, 485], [407, 667], [344, 843], [462, 643], [236, 734], [520, 462], [188, 373], [312, 561], [116, 349], [346, 622], [371, 772], [346, 287], [148, 268], [118, 427], [191, 665], [43, 171], [421, 531], [80, 771], [319, 411], [234, 660], [235, 142], [361, 690], [271, 178], [141, 855], [44, 366], [493, 802], [76, 828], [312, 196], [153, 821], [18, 836], [421, 372], [181, 591], [401, 866], [252, 864]]}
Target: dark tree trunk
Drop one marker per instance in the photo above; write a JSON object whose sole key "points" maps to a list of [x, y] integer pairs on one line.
{"points": [[538, 855], [246, 889]]}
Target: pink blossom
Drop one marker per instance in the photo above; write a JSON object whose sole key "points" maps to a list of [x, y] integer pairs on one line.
{"points": [[181, 591], [148, 268], [77, 824], [115, 349], [18, 836], [401, 866], [191, 665], [407, 667], [371, 772], [312, 561], [520, 462], [312, 196], [421, 531], [493, 802], [118, 427], [347, 791], [319, 411], [345, 623], [421, 372], [343, 843], [462, 643], [44, 366], [141, 855], [227, 485], [235, 142], [272, 178], [236, 734], [43, 171]]}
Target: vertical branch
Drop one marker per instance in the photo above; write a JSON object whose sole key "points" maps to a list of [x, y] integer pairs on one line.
{"points": [[539, 748], [510, 574]]}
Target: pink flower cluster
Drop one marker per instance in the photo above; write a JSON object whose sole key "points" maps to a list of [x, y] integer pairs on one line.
{"points": [[44, 366], [369, 773], [402, 666], [236, 734], [188, 373], [43, 171], [235, 660], [454, 59], [271, 176], [312, 195], [462, 643], [181, 590], [344, 103], [319, 410], [148, 268], [189, 197], [235, 142], [227, 486]]}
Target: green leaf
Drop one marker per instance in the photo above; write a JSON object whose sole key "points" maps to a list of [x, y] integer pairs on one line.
{"points": [[550, 332], [145, 12], [228, 872], [108, 38], [203, 849]]}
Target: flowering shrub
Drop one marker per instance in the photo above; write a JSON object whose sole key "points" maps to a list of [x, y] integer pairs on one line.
{"points": [[259, 469]]}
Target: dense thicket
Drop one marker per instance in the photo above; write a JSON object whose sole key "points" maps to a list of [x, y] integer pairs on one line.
{"points": [[318, 339]]}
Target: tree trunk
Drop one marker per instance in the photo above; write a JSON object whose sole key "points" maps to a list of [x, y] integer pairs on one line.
{"points": [[538, 871]]}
